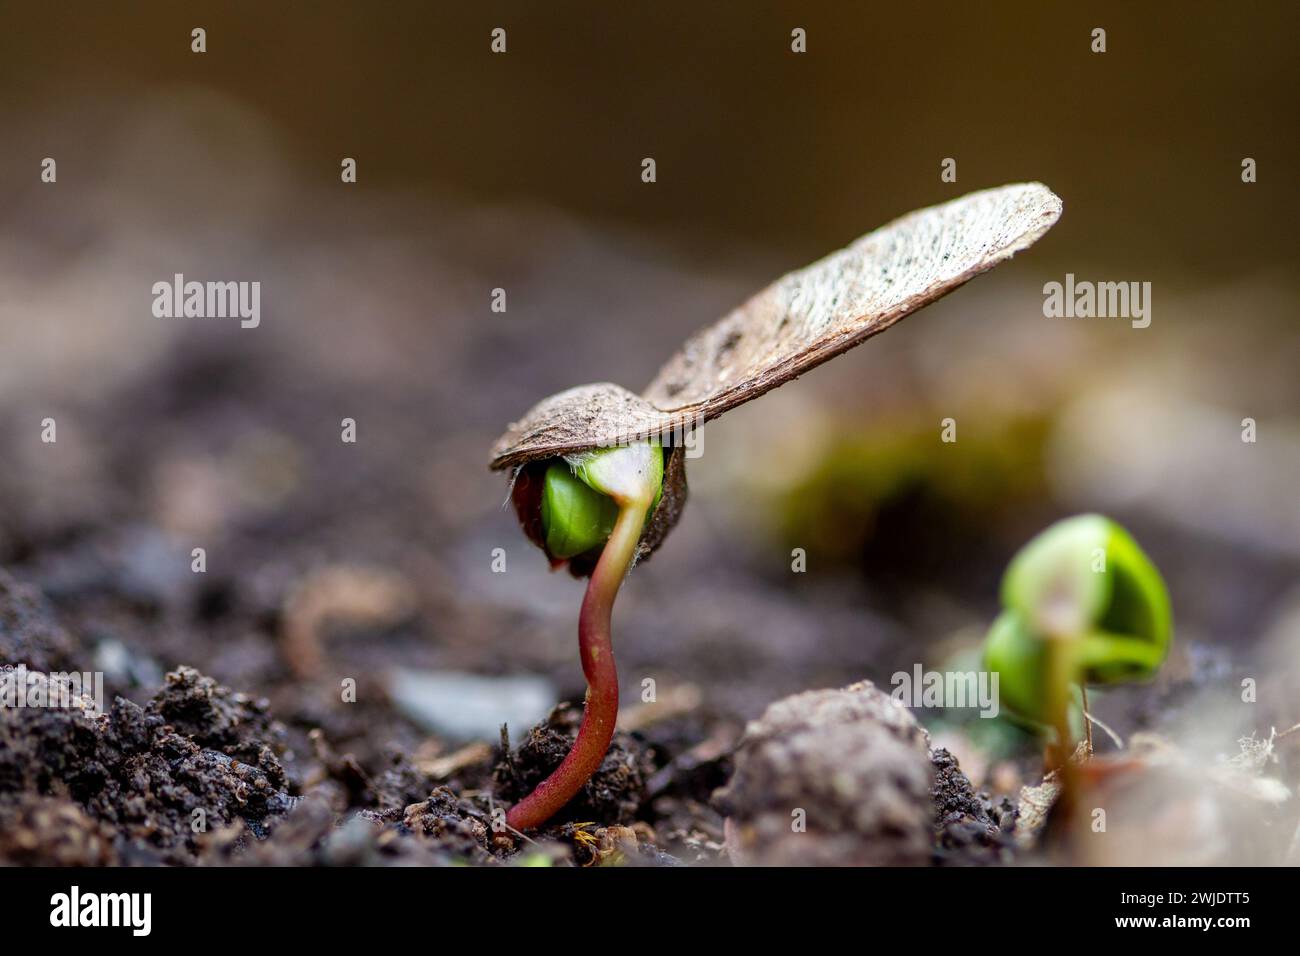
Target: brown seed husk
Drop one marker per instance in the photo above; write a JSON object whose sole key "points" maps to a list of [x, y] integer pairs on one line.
{"points": [[795, 324]]}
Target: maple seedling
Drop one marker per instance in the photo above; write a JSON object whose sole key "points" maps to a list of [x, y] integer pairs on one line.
{"points": [[599, 511], [593, 501], [1082, 604]]}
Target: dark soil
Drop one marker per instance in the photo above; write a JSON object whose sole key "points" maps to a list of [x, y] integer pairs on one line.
{"points": [[969, 827], [195, 775]]}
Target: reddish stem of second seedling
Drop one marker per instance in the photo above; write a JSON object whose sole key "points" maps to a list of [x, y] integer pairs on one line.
{"points": [[597, 651]]}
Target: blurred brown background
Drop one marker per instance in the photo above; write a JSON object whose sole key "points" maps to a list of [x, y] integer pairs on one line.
{"points": [[755, 144]]}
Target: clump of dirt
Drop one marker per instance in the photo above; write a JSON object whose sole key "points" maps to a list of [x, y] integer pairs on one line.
{"points": [[831, 777], [160, 786], [458, 827], [216, 718], [969, 827], [613, 795]]}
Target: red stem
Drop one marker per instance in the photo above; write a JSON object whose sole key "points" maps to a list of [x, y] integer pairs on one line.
{"points": [[597, 652]]}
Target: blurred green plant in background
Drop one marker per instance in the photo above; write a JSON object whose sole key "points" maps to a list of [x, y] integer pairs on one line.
{"points": [[897, 478], [1083, 604]]}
